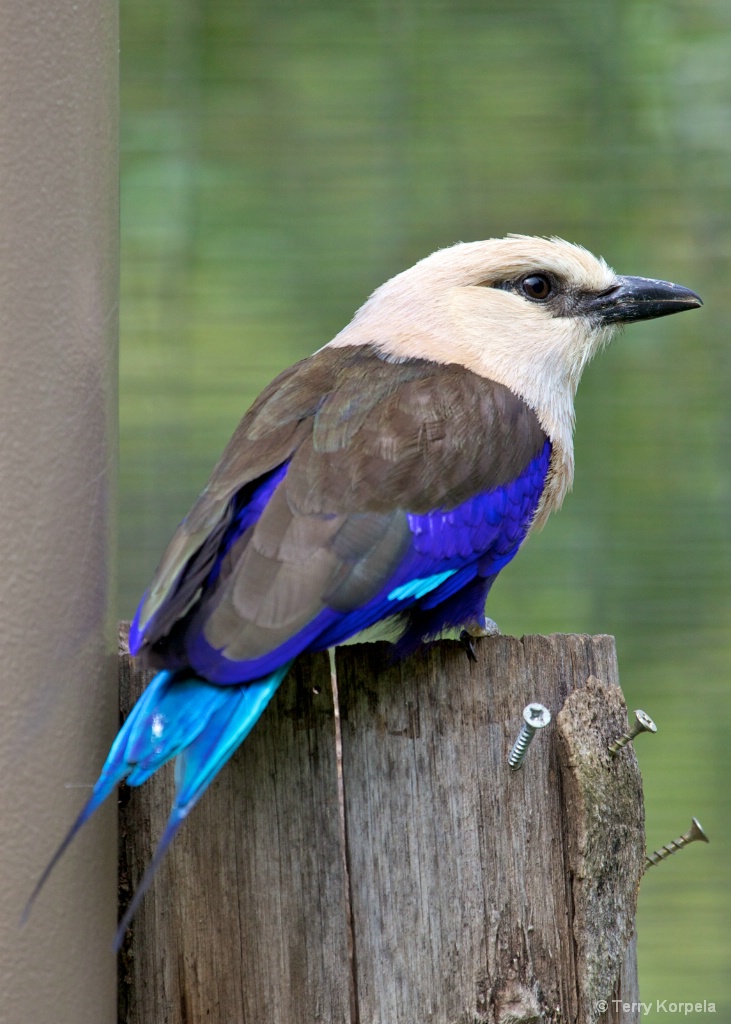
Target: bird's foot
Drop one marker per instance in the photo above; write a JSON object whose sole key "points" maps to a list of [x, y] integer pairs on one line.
{"points": [[488, 627], [469, 645]]}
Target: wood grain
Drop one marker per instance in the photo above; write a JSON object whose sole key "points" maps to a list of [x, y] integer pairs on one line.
{"points": [[473, 897], [472, 893], [244, 921]]}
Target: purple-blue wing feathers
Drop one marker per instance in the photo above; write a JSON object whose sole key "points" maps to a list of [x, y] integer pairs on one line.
{"points": [[472, 540]]}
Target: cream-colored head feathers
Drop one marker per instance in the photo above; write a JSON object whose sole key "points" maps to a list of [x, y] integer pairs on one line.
{"points": [[446, 308]]}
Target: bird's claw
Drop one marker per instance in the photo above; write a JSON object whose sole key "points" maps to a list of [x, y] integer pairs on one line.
{"points": [[468, 643], [488, 627]]}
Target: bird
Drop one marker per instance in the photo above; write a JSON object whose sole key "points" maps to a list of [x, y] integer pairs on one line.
{"points": [[375, 489]]}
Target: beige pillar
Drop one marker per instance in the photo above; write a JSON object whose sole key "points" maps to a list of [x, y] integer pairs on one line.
{"points": [[58, 327]]}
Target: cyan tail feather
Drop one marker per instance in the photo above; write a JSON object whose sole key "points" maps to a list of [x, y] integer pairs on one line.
{"points": [[176, 715], [202, 759], [104, 786], [199, 763], [116, 768]]}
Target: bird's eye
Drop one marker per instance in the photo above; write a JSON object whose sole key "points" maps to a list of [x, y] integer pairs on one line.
{"points": [[537, 286]]}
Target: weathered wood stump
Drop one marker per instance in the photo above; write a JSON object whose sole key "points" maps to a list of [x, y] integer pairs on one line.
{"points": [[424, 881]]}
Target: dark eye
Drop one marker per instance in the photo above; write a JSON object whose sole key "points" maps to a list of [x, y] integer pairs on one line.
{"points": [[537, 286]]}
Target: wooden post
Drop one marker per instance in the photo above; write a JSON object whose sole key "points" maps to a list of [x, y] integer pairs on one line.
{"points": [[451, 890]]}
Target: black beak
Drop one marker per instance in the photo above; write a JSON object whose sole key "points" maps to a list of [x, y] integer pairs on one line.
{"points": [[640, 298]]}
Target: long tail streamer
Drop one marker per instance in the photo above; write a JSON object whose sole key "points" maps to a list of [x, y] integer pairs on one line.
{"points": [[197, 722]]}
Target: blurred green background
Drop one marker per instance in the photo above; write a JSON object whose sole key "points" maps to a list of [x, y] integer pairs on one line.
{"points": [[282, 159]]}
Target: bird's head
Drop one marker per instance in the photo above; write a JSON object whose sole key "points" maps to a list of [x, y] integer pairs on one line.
{"points": [[528, 312]]}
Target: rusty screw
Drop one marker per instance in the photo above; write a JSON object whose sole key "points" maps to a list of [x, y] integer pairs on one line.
{"points": [[694, 834], [643, 723], [535, 717]]}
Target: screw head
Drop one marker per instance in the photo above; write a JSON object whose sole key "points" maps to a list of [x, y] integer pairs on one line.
{"points": [[536, 716], [644, 722], [695, 833]]}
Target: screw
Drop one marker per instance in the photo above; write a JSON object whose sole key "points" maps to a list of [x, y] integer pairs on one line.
{"points": [[535, 717], [694, 834], [643, 723]]}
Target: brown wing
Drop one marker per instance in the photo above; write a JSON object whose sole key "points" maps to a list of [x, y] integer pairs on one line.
{"points": [[367, 441]]}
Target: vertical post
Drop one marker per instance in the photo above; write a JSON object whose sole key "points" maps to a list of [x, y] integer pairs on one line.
{"points": [[479, 893], [245, 919], [441, 886], [58, 332]]}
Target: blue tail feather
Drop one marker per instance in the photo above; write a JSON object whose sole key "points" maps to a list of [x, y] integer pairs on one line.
{"points": [[116, 768], [173, 718], [177, 715], [201, 760], [106, 783]]}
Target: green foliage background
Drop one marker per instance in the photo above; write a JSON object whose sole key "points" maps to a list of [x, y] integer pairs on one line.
{"points": [[281, 159]]}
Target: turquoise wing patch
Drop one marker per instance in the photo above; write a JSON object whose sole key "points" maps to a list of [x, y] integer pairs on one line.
{"points": [[419, 587]]}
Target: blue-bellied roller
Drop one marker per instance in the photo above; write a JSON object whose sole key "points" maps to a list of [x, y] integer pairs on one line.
{"points": [[374, 489]]}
